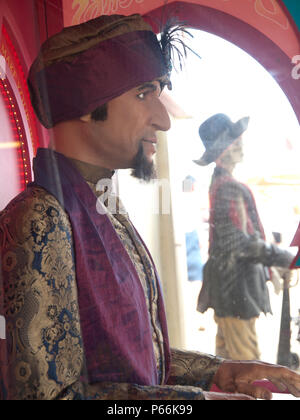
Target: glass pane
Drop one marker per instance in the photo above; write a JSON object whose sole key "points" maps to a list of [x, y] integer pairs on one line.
{"points": [[228, 80]]}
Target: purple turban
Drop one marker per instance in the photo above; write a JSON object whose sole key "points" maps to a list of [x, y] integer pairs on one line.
{"points": [[87, 65]]}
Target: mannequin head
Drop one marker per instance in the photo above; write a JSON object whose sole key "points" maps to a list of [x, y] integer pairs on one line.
{"points": [[233, 155]]}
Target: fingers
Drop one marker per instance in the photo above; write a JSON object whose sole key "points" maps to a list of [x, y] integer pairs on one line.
{"points": [[278, 384], [290, 387], [286, 380], [215, 396], [240, 377], [256, 392], [283, 378]]}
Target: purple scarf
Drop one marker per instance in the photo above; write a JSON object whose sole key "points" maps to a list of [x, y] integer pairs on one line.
{"points": [[114, 318]]}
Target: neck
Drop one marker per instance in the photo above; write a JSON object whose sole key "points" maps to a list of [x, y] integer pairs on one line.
{"points": [[228, 166], [92, 173]]}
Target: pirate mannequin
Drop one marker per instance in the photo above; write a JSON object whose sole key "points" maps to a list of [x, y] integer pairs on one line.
{"points": [[236, 274]]}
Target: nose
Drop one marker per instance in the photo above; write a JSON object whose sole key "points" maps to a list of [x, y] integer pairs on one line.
{"points": [[161, 119]]}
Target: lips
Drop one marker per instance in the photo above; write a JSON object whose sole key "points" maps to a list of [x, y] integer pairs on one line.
{"points": [[150, 145], [153, 141]]}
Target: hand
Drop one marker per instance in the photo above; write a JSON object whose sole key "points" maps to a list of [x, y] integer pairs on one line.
{"points": [[238, 377], [276, 279]]}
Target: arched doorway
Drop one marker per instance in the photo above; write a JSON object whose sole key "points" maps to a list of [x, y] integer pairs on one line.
{"points": [[264, 28]]}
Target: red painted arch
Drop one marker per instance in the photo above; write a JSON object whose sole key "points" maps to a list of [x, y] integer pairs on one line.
{"points": [[263, 28], [254, 42]]}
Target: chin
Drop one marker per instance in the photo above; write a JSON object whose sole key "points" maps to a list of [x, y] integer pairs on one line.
{"points": [[143, 167], [145, 174]]}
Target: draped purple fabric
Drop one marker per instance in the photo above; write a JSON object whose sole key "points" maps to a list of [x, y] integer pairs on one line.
{"points": [[113, 312]]}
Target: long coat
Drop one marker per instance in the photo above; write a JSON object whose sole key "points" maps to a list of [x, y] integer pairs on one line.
{"points": [[236, 273]]}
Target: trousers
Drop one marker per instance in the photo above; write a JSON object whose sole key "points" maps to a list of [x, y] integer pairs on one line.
{"points": [[237, 339]]}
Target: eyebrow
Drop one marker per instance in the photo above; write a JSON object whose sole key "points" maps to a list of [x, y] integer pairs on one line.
{"points": [[153, 87], [147, 85]]}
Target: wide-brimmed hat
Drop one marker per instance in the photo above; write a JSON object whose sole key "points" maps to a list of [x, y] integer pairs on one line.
{"points": [[217, 134]]}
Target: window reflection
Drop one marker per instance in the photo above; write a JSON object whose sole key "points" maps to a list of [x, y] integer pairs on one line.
{"points": [[238, 87]]}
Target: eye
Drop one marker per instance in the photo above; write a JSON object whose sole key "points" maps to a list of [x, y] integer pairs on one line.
{"points": [[142, 95]]}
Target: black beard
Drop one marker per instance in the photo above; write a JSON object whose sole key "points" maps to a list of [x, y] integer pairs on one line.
{"points": [[142, 168]]}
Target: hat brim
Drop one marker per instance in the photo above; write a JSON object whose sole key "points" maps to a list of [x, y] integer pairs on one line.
{"points": [[223, 142]]}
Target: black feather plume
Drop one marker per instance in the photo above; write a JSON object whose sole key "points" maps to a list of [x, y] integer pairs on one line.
{"points": [[172, 44]]}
